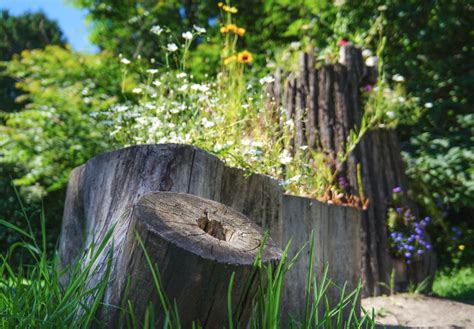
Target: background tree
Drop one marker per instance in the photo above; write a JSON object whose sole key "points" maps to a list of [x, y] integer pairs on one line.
{"points": [[27, 31], [19, 33]]}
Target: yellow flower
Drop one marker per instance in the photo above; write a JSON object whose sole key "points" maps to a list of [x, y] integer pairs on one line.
{"points": [[230, 59], [231, 28], [240, 31], [461, 247], [229, 9], [220, 4], [244, 57]]}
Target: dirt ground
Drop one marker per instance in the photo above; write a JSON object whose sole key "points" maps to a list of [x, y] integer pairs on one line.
{"points": [[419, 311]]}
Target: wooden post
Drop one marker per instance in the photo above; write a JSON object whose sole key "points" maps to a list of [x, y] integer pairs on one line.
{"points": [[323, 122]]}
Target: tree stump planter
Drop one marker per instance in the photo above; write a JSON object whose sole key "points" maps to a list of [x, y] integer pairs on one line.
{"points": [[104, 193]]}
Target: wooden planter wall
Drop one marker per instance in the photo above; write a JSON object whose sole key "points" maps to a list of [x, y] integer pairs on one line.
{"points": [[325, 104], [101, 191]]}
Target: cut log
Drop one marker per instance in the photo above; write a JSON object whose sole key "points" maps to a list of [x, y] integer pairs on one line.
{"points": [[197, 244]]}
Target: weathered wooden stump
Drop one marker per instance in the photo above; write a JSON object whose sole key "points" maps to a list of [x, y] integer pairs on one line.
{"points": [[105, 192], [325, 103], [197, 245]]}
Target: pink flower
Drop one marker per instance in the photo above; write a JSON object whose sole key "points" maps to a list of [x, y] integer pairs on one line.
{"points": [[342, 42], [368, 88]]}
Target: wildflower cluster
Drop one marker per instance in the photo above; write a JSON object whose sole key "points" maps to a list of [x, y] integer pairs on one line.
{"points": [[407, 234], [457, 245], [225, 115], [232, 28], [227, 8], [232, 32]]}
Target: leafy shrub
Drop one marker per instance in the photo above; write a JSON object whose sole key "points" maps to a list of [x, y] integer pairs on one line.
{"points": [[54, 132], [457, 284]]}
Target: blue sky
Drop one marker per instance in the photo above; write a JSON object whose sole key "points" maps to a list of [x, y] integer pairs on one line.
{"points": [[70, 19]]}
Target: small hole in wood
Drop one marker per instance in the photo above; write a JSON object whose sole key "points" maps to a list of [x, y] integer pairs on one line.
{"points": [[213, 227]]}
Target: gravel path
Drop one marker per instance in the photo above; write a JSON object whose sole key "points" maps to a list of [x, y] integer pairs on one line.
{"points": [[419, 311]]}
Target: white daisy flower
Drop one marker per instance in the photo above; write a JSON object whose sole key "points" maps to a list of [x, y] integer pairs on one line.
{"points": [[125, 61], [156, 30], [266, 80], [398, 78], [285, 157], [199, 29], [372, 61], [187, 35], [366, 53], [171, 47], [206, 123], [137, 90]]}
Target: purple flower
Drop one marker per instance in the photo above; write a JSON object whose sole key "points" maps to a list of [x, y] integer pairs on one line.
{"points": [[408, 254], [408, 261], [456, 231], [343, 182], [399, 210], [397, 189], [420, 252], [368, 88], [428, 246]]}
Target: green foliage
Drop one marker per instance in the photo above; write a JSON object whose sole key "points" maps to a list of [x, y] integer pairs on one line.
{"points": [[14, 208], [444, 166], [27, 31], [457, 284], [54, 133], [33, 295]]}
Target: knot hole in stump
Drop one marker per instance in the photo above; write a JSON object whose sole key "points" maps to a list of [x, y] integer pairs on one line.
{"points": [[213, 227]]}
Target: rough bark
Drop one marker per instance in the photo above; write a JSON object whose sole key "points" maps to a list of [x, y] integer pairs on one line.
{"points": [[103, 192], [332, 108]]}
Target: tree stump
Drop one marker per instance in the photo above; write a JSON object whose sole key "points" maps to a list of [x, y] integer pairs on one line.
{"points": [[104, 192], [197, 244]]}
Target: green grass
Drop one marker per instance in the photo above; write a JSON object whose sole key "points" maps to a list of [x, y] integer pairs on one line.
{"points": [[456, 284], [31, 295]]}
